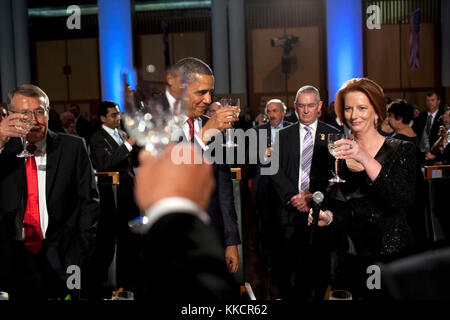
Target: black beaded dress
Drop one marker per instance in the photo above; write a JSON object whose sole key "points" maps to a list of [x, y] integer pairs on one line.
{"points": [[370, 222]]}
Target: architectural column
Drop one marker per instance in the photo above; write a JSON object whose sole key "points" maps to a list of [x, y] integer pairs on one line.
{"points": [[115, 46], [236, 23], [219, 37], [344, 43], [7, 60], [21, 41], [445, 45]]}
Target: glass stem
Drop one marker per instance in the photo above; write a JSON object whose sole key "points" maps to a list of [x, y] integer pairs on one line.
{"points": [[336, 167]]}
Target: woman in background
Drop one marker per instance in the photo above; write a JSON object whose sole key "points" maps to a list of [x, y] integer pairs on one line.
{"points": [[400, 115]]}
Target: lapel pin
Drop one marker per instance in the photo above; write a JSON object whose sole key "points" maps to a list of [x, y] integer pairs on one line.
{"points": [[322, 137]]}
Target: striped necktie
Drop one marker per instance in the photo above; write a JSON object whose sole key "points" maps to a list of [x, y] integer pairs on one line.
{"points": [[306, 158]]}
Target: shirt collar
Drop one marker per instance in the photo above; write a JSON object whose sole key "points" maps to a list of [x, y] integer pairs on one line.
{"points": [[313, 125], [170, 99], [108, 129], [433, 114], [280, 125]]}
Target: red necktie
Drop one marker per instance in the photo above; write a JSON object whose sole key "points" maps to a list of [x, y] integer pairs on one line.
{"points": [[191, 128], [31, 220]]}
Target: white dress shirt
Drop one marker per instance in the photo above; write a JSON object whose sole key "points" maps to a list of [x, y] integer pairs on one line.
{"points": [[313, 127], [111, 133], [197, 124]]}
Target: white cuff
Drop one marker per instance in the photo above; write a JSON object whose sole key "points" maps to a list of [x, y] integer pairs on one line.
{"points": [[129, 147], [174, 205], [200, 142]]}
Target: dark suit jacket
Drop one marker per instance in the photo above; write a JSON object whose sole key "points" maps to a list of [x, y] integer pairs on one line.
{"points": [[72, 200], [421, 122], [262, 181], [286, 180], [183, 261], [108, 156]]}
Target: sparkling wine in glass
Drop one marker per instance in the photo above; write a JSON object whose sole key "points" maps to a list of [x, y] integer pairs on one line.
{"points": [[230, 102], [26, 124], [332, 138]]}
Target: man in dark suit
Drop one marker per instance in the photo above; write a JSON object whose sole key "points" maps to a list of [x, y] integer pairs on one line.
{"points": [[113, 151], [182, 258], [427, 126], [304, 168], [263, 189], [83, 127], [200, 130], [48, 203]]}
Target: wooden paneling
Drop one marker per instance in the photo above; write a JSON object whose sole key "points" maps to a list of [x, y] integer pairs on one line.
{"points": [[188, 44], [83, 59], [306, 59], [50, 59], [151, 51]]}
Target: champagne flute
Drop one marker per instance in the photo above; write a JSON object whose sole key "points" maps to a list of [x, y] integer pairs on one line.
{"points": [[332, 138], [26, 125], [230, 102]]}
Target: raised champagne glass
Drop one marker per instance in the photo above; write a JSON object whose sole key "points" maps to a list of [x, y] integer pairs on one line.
{"points": [[332, 138]]}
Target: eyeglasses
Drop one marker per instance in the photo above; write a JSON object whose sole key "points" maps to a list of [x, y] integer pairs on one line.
{"points": [[309, 106], [38, 113]]}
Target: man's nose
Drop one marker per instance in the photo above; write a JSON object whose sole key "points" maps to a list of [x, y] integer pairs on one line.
{"points": [[207, 98]]}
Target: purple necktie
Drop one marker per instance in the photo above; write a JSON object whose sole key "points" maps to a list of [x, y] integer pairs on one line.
{"points": [[306, 158]]}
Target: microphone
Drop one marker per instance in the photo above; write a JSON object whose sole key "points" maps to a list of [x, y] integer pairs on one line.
{"points": [[317, 200]]}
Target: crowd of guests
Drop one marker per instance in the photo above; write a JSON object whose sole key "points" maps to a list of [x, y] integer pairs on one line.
{"points": [[54, 215]]}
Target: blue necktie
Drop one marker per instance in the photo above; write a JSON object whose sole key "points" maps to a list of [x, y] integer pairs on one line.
{"points": [[118, 138]]}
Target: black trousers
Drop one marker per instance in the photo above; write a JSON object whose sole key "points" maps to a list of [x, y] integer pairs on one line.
{"points": [[33, 278]]}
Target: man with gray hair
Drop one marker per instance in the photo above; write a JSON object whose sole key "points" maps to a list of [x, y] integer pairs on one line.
{"points": [[304, 167], [48, 203], [68, 122]]}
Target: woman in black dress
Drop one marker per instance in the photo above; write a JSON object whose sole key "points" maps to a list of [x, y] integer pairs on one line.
{"points": [[367, 213], [400, 114]]}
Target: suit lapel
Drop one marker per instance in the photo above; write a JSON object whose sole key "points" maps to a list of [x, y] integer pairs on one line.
{"points": [[295, 136], [53, 157], [110, 141]]}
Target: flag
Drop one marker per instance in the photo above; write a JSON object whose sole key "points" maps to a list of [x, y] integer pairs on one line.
{"points": [[414, 28]]}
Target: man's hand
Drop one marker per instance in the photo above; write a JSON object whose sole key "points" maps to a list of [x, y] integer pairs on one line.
{"points": [[232, 258], [221, 120], [131, 141], [429, 156], [11, 126], [159, 177], [301, 201], [71, 129]]}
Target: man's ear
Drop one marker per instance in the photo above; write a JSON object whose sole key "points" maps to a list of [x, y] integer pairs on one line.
{"points": [[170, 79], [103, 119]]}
